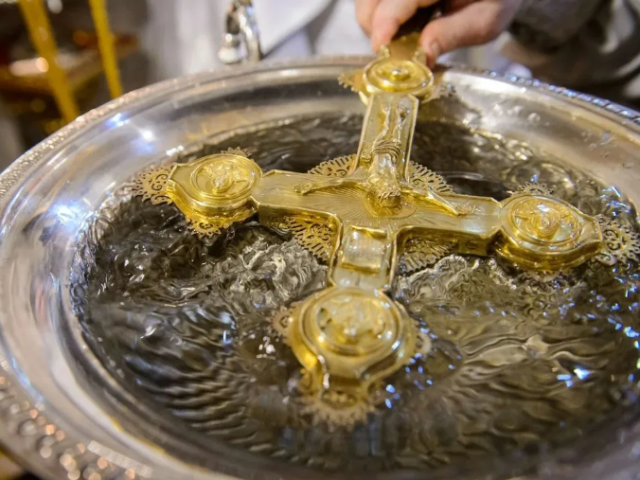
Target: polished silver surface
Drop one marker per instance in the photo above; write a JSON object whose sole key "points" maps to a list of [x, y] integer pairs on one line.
{"points": [[241, 39], [55, 418]]}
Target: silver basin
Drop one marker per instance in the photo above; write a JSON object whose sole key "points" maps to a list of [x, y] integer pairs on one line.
{"points": [[62, 418]]}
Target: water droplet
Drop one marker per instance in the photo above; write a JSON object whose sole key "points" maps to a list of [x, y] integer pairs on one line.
{"points": [[606, 138], [533, 118]]}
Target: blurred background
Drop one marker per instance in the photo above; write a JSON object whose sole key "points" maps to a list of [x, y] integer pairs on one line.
{"points": [[152, 40], [155, 40]]}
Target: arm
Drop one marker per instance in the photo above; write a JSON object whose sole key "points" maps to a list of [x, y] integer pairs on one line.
{"points": [[464, 23], [589, 45], [547, 24]]}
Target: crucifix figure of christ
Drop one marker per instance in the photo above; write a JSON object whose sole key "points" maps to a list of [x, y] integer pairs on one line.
{"points": [[360, 214]]}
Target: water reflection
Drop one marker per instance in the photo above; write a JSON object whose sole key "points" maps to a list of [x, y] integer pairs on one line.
{"points": [[518, 362]]}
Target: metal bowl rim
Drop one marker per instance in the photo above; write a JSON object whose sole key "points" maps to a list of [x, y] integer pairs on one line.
{"points": [[11, 387]]}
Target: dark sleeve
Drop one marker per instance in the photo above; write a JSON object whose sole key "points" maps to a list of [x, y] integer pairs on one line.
{"points": [[588, 45], [546, 25]]}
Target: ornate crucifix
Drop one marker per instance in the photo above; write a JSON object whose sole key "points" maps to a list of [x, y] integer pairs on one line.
{"points": [[360, 214]]}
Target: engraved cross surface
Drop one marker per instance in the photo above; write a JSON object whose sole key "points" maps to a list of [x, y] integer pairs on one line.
{"points": [[383, 199]]}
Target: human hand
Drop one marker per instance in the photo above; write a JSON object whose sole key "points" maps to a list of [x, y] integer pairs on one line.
{"points": [[464, 23]]}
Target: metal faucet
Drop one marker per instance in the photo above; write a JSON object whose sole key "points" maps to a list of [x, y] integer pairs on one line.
{"points": [[241, 42]]}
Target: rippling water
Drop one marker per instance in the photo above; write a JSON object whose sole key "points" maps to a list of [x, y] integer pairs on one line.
{"points": [[520, 363]]}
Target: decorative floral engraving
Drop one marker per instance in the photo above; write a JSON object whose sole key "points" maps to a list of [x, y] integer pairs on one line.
{"points": [[533, 189], [621, 242], [418, 253], [337, 167], [150, 184], [313, 233], [422, 178]]}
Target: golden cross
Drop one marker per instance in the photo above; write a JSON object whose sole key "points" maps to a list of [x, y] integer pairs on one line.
{"points": [[361, 213]]}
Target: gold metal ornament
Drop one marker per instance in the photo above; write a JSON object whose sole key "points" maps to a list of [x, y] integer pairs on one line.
{"points": [[316, 233], [544, 233], [150, 185], [533, 189], [419, 253], [366, 215], [620, 243], [400, 68], [349, 337]]}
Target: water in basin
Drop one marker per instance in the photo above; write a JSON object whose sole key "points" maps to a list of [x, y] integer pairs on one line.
{"points": [[520, 363]]}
